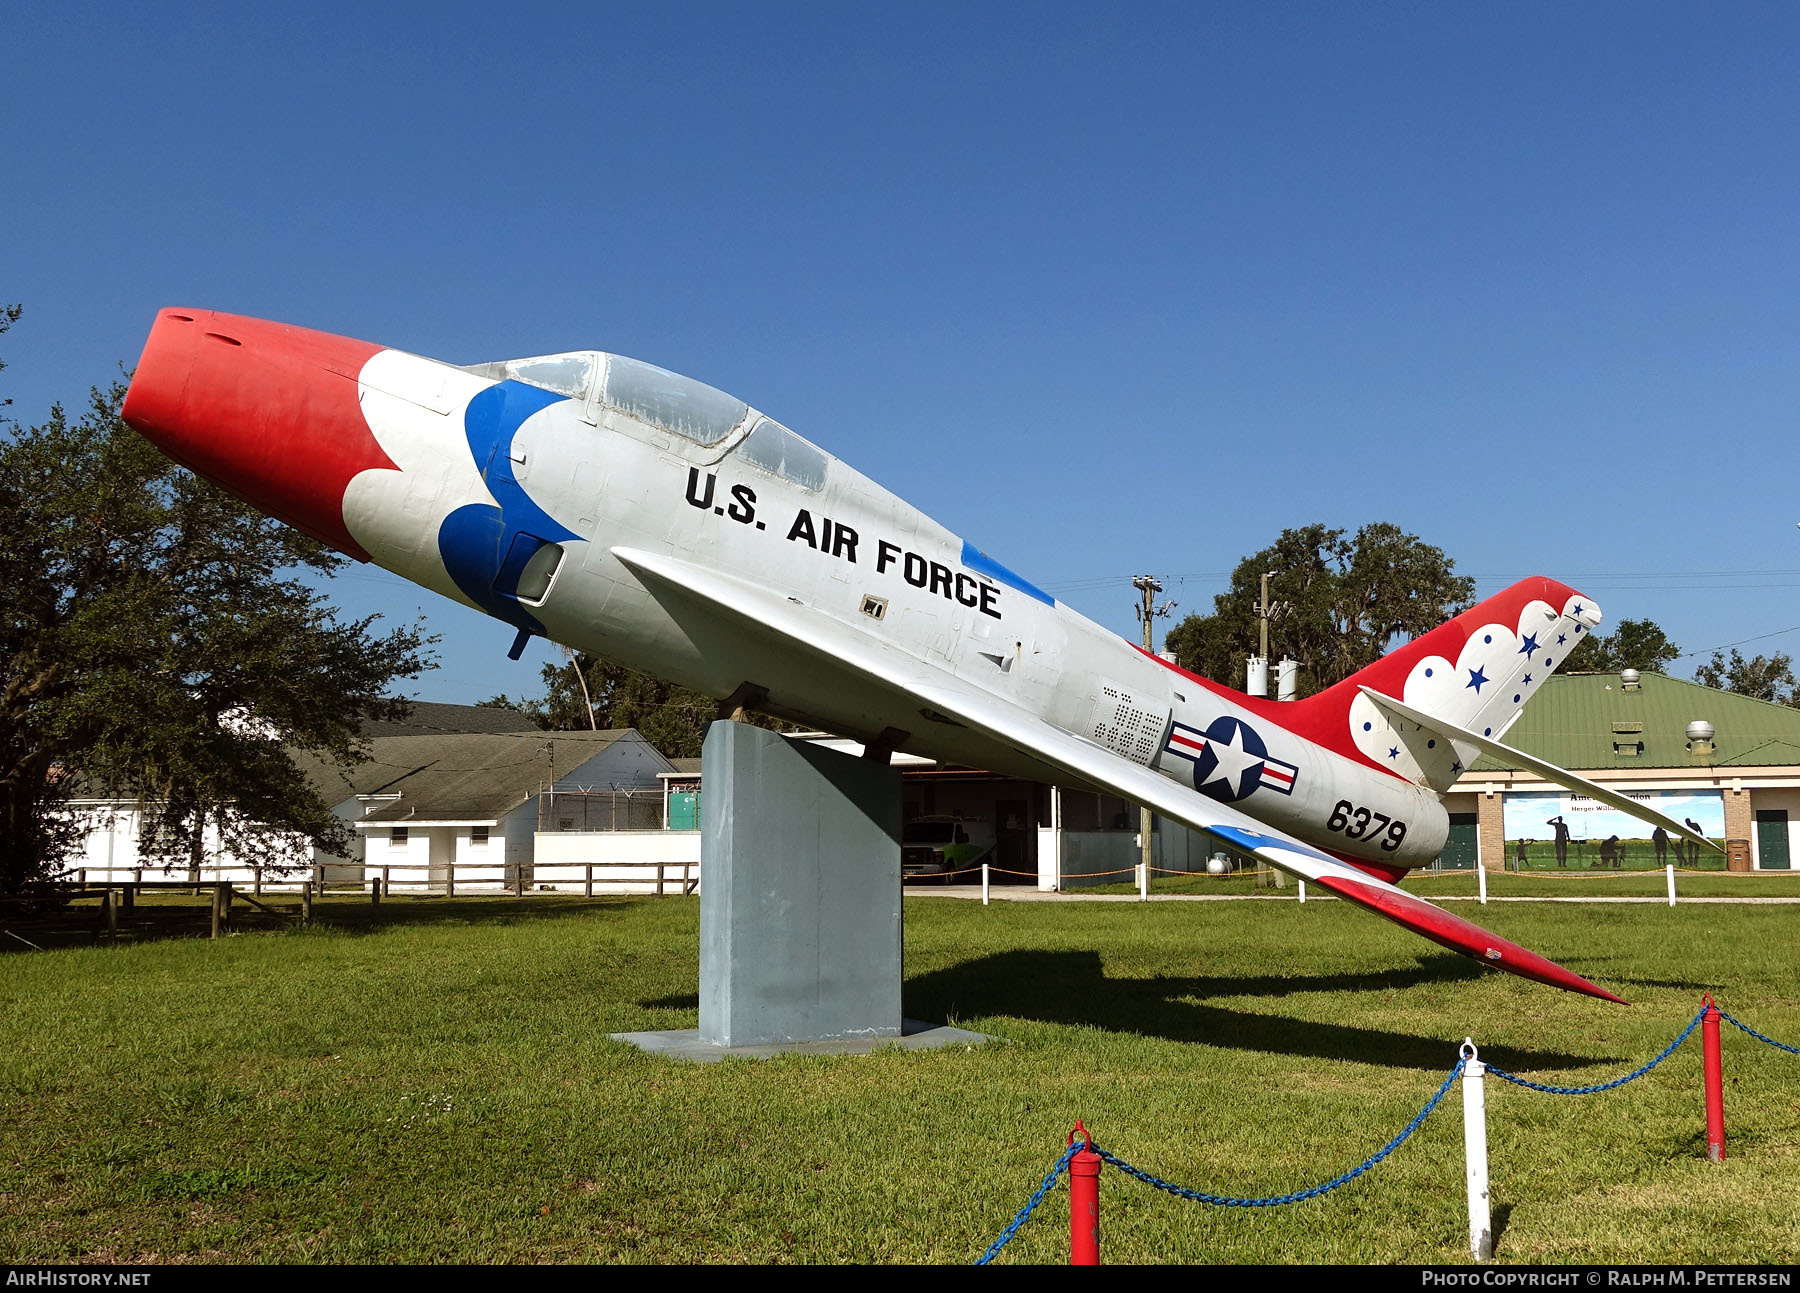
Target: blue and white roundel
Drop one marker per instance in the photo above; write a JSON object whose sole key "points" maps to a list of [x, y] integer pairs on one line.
{"points": [[1230, 759]]}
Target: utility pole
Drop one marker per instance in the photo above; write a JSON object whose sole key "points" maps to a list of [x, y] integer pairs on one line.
{"points": [[1256, 675], [1262, 614], [1148, 611]]}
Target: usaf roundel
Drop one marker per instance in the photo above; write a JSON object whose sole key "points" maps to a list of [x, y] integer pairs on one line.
{"points": [[1230, 759]]}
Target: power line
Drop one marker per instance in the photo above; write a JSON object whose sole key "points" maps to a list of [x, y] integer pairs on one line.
{"points": [[1740, 642]]}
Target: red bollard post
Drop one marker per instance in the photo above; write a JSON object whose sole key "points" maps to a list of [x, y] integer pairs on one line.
{"points": [[1715, 1082], [1084, 1202]]}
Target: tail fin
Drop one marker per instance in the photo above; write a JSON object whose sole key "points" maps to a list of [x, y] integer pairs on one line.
{"points": [[1474, 672]]}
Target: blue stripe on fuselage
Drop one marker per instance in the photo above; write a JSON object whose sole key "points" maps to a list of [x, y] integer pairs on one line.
{"points": [[979, 561], [476, 539]]}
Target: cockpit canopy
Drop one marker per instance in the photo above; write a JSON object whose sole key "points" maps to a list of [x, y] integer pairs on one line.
{"points": [[676, 404]]}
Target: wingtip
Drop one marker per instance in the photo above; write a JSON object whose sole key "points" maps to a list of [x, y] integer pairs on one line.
{"points": [[1462, 936]]}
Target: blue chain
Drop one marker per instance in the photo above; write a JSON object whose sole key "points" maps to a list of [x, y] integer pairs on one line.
{"points": [[1025, 1212], [1738, 1023], [1222, 1200], [1604, 1086], [1277, 1200], [1226, 1201]]}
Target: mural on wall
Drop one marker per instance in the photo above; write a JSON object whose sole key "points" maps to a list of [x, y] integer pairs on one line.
{"points": [[1557, 829]]}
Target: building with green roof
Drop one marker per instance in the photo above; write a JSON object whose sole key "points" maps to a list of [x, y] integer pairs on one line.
{"points": [[1647, 736]]}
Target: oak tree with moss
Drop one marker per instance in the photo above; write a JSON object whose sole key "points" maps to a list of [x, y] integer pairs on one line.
{"points": [[1342, 602]]}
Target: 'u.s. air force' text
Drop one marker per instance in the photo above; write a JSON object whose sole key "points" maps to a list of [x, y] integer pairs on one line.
{"points": [[837, 540]]}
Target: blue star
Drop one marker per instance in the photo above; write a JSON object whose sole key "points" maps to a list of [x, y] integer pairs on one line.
{"points": [[1476, 679], [1528, 646], [1394, 753], [1561, 638], [1527, 677], [1457, 766], [1577, 611]]}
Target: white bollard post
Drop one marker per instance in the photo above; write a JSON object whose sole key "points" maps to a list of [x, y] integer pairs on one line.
{"points": [[984, 884], [1303, 893], [1143, 882], [1671, 871], [1481, 1226], [1481, 882]]}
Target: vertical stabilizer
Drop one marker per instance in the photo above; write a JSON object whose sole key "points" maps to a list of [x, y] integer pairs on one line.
{"points": [[1475, 672]]}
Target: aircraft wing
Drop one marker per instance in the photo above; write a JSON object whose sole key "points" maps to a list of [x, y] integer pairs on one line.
{"points": [[1548, 771], [919, 685]]}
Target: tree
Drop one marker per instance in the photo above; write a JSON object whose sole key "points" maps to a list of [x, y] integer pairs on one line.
{"points": [[1769, 678], [1343, 602], [9, 315], [1635, 644], [155, 640]]}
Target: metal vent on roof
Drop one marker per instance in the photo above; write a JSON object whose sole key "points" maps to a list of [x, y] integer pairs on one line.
{"points": [[1629, 679]]}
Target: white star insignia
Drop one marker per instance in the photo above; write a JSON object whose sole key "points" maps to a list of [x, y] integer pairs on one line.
{"points": [[1233, 759]]}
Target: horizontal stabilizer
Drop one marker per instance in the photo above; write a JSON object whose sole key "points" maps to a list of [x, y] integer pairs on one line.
{"points": [[1548, 771], [933, 693]]}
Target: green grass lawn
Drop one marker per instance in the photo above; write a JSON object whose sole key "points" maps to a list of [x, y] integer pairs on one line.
{"points": [[433, 1081]]}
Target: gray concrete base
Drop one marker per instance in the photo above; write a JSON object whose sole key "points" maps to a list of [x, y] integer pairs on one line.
{"points": [[800, 908], [687, 1044]]}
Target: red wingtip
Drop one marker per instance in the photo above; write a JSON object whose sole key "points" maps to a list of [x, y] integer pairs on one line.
{"points": [[1461, 936]]}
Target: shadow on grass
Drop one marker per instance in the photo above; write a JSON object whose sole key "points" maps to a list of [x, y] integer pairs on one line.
{"points": [[1071, 987], [157, 921], [1497, 1220], [366, 918]]}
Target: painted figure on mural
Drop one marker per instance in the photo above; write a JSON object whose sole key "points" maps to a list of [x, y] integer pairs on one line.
{"points": [[1562, 839]]}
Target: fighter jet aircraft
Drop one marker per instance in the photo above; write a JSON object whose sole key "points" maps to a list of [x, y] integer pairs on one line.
{"points": [[625, 510]]}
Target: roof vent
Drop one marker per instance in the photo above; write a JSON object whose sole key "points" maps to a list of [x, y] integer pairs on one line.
{"points": [[1700, 737], [1630, 679]]}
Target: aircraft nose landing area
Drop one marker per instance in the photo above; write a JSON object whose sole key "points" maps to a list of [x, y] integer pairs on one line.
{"points": [[268, 411]]}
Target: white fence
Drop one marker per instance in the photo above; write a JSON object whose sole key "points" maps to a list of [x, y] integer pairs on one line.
{"points": [[622, 861], [253, 879]]}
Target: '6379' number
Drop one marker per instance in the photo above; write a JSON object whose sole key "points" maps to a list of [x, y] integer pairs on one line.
{"points": [[1360, 823]]}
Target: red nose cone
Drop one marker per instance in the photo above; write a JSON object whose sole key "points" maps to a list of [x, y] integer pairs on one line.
{"points": [[268, 411]]}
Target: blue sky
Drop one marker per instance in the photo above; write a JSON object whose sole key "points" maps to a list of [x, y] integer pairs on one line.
{"points": [[1108, 290]]}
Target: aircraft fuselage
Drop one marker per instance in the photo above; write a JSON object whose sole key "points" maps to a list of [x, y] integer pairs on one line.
{"points": [[554, 482]]}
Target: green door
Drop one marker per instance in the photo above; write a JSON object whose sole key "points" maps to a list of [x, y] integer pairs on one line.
{"points": [[1460, 848], [684, 810], [1772, 839]]}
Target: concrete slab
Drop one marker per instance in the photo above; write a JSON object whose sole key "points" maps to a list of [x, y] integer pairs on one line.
{"points": [[687, 1044]]}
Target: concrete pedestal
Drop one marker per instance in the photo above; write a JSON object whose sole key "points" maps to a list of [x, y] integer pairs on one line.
{"points": [[799, 903]]}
